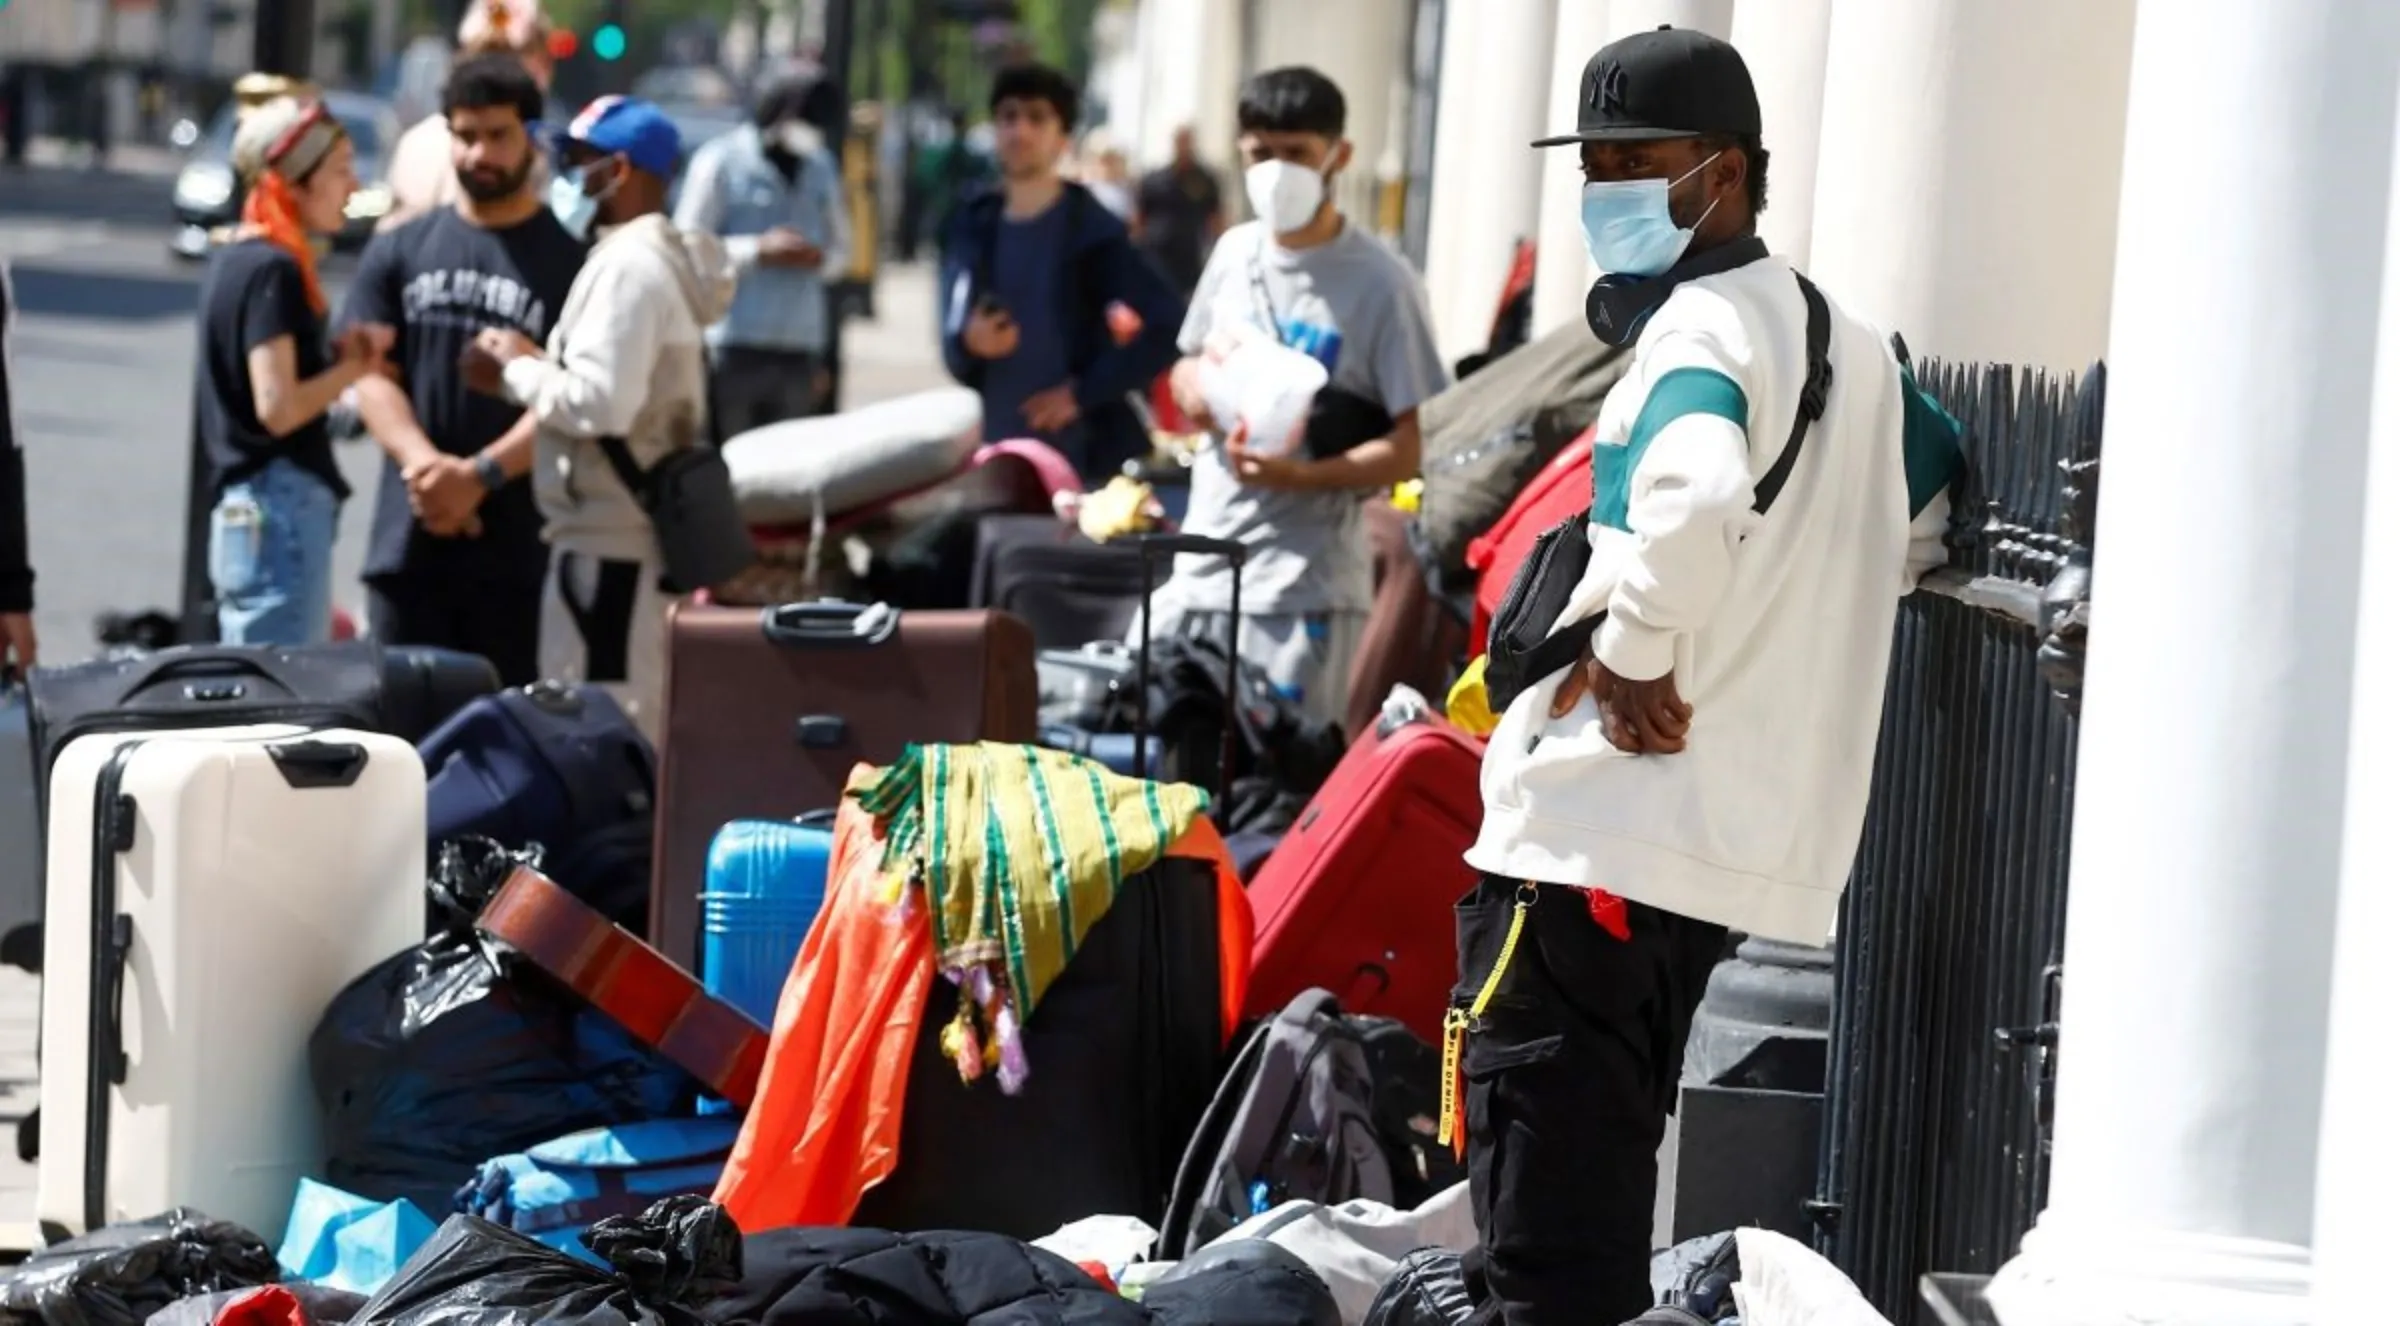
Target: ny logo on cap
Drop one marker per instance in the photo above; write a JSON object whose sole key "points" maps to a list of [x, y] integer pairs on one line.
{"points": [[1607, 90]]}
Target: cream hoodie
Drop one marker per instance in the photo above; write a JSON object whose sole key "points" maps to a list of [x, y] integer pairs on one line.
{"points": [[625, 360], [1778, 629]]}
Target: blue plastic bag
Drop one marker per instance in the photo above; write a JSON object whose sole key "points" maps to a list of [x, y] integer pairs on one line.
{"points": [[552, 1192], [343, 1241]]}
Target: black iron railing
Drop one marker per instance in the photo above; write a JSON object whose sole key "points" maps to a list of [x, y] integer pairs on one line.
{"points": [[1935, 1146]]}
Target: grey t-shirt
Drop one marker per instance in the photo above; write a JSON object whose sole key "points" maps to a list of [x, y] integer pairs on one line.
{"points": [[1356, 305]]}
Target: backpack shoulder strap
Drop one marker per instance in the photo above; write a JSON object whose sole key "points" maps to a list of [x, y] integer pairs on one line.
{"points": [[1812, 395]]}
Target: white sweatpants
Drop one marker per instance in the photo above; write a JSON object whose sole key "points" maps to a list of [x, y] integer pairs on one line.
{"points": [[605, 623]]}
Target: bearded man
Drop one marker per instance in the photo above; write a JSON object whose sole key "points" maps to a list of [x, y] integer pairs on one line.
{"points": [[455, 558]]}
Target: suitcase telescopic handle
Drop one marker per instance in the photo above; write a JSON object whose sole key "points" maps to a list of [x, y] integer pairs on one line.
{"points": [[829, 624], [1154, 548]]}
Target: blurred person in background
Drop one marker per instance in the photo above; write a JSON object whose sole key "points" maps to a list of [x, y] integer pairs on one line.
{"points": [[267, 377], [1030, 273], [18, 649], [944, 174], [772, 191], [420, 175], [1179, 213], [455, 557], [622, 385], [1106, 174]]}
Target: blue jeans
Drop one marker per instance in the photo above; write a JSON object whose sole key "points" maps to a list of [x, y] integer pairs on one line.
{"points": [[270, 557]]}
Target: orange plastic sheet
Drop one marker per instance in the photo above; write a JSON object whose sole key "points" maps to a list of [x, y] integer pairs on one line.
{"points": [[825, 1126]]}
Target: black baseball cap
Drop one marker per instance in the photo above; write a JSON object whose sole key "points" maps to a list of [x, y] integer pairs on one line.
{"points": [[1670, 83]]}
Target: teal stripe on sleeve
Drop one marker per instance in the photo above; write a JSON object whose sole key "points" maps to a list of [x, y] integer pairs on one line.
{"points": [[1931, 444], [1677, 393]]}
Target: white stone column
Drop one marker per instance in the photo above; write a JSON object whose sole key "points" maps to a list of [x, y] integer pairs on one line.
{"points": [[2358, 1153], [1966, 179], [1783, 42], [1190, 53], [2209, 806], [1487, 184], [1562, 270]]}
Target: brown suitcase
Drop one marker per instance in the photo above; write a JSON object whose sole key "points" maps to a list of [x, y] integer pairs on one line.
{"points": [[769, 709]]}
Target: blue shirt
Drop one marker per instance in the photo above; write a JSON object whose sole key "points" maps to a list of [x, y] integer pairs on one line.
{"points": [[734, 191], [1028, 277]]}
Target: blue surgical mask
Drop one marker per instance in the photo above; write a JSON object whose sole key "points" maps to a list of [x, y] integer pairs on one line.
{"points": [[1630, 230], [574, 208]]}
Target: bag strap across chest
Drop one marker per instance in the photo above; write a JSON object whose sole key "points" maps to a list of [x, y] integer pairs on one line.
{"points": [[1523, 648]]}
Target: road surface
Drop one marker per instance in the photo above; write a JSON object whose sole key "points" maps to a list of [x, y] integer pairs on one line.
{"points": [[103, 371]]}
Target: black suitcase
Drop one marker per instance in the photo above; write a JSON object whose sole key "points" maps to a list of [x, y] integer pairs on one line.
{"points": [[1071, 590], [1124, 1050], [405, 692]]}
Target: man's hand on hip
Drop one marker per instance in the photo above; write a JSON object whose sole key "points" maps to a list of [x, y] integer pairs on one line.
{"points": [[1637, 717]]}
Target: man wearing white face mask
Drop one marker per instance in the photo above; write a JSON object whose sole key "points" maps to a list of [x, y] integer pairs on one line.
{"points": [[1692, 680], [772, 192], [1304, 276]]}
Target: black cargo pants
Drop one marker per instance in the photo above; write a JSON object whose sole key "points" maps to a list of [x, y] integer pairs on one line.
{"points": [[1570, 1075]]}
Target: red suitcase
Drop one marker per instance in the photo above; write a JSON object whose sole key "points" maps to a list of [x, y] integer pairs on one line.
{"points": [[1357, 897], [1561, 488]]}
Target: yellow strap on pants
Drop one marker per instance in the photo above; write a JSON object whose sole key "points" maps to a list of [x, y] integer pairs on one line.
{"points": [[1456, 1023]]}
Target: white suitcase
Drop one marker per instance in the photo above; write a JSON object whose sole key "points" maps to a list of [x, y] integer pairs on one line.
{"points": [[230, 883]]}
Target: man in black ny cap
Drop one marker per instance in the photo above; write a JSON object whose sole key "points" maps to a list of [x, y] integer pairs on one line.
{"points": [[1688, 732]]}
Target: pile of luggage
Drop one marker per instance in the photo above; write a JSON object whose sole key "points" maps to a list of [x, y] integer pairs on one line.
{"points": [[473, 998]]}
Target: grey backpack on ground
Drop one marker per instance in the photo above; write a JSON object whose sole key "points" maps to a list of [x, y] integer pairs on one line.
{"points": [[1294, 1118]]}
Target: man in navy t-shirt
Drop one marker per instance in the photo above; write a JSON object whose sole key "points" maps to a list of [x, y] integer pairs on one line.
{"points": [[1038, 280], [455, 558]]}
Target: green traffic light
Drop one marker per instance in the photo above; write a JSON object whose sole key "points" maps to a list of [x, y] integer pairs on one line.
{"points": [[609, 42]]}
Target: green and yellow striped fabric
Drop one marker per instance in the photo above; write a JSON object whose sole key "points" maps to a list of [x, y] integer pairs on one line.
{"points": [[1018, 850]]}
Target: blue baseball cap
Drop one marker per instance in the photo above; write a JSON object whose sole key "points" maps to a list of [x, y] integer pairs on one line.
{"points": [[629, 126]]}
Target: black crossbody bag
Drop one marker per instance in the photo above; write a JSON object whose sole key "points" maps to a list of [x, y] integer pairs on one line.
{"points": [[702, 539], [1522, 649]]}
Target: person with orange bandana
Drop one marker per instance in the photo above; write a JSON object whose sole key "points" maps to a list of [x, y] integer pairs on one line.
{"points": [[267, 375]]}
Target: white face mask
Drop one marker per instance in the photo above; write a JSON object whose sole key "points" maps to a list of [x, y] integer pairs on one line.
{"points": [[799, 138], [1286, 196]]}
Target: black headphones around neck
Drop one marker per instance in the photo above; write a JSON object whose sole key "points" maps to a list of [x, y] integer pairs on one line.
{"points": [[1616, 308]]}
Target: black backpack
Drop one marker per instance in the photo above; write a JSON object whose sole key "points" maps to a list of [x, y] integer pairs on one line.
{"points": [[1319, 1107]]}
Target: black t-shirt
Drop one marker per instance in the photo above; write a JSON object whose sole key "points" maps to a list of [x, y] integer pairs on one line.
{"points": [[438, 280], [252, 294], [1176, 204]]}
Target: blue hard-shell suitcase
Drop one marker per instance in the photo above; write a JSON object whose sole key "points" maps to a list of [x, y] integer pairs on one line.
{"points": [[765, 885]]}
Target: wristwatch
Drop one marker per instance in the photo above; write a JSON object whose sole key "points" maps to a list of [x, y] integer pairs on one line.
{"points": [[490, 472]]}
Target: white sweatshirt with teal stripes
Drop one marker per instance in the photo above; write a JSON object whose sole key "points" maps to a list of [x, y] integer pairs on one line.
{"points": [[1778, 628]]}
